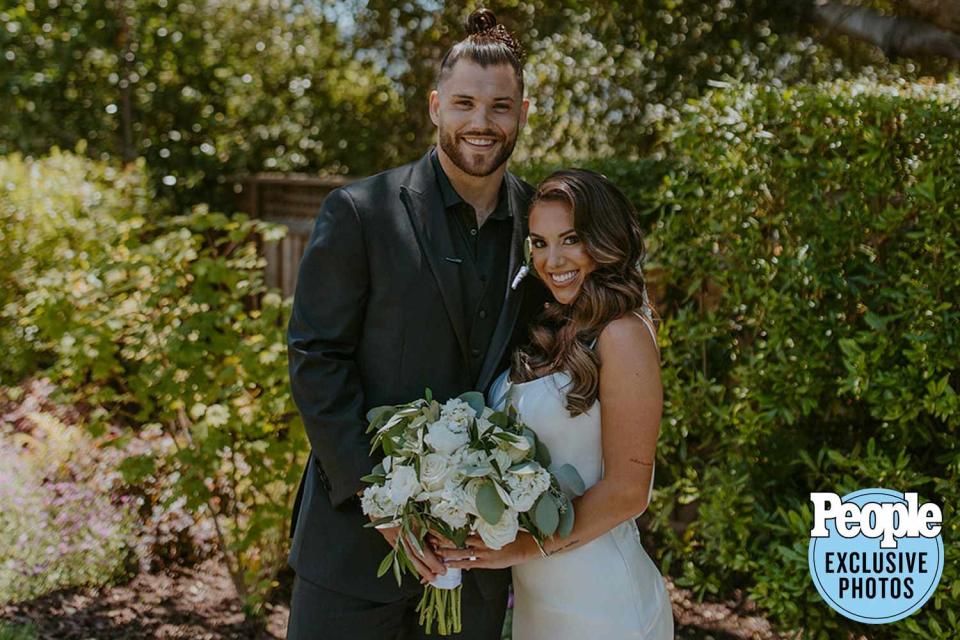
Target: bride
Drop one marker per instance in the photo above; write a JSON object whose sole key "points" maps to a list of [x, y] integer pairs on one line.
{"points": [[589, 385]]}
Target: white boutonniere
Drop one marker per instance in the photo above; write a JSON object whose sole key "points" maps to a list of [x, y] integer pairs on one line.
{"points": [[525, 269]]}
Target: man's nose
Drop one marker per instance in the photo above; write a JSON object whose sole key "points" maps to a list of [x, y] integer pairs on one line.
{"points": [[480, 118]]}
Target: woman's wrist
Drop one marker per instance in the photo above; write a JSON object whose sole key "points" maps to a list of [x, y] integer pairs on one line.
{"points": [[531, 550]]}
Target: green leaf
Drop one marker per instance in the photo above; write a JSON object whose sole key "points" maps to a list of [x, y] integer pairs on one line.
{"points": [[475, 400], [525, 467], [569, 480], [566, 520], [385, 564], [489, 503], [546, 515], [378, 413]]}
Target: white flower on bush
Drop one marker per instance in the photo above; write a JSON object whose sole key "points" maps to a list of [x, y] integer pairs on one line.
{"points": [[496, 536], [403, 484], [217, 415], [526, 488], [443, 437], [434, 470]]}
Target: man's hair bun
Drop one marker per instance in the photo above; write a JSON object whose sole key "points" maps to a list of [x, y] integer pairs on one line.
{"points": [[481, 20]]}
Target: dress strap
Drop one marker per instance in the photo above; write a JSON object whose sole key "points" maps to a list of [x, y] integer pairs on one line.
{"points": [[649, 324]]}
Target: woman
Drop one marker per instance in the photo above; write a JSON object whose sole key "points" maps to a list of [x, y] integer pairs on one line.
{"points": [[589, 385]]}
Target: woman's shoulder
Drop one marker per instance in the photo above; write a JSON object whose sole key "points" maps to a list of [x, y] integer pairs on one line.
{"points": [[628, 335]]}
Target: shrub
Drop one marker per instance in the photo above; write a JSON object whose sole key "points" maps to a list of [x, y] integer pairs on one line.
{"points": [[161, 326], [808, 253]]}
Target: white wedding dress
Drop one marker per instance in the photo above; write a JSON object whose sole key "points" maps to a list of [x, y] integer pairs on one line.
{"points": [[607, 589]]}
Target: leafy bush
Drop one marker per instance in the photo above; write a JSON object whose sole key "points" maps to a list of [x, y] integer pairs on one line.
{"points": [[163, 327], [807, 254]]}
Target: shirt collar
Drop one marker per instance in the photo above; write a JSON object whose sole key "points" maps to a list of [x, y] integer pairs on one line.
{"points": [[451, 198]]}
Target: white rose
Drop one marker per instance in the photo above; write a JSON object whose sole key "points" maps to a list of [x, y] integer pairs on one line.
{"points": [[445, 440], [434, 469], [496, 536], [376, 502], [403, 484]]}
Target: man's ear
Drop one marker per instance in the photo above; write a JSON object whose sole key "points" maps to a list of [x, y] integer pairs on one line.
{"points": [[524, 106], [434, 104]]}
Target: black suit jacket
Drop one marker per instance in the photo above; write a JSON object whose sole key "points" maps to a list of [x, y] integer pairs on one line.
{"points": [[377, 317]]}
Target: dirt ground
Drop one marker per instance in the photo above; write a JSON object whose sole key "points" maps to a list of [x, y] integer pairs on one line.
{"points": [[200, 603]]}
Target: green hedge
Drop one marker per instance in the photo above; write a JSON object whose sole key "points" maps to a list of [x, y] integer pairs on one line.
{"points": [[807, 264], [157, 323]]}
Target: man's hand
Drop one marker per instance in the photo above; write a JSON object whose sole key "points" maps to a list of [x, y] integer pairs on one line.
{"points": [[428, 565]]}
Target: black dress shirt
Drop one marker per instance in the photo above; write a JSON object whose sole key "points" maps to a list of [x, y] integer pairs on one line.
{"points": [[483, 253]]}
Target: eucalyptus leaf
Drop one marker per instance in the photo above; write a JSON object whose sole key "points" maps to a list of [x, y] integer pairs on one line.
{"points": [[569, 480], [476, 401], [546, 515], [488, 503], [566, 520]]}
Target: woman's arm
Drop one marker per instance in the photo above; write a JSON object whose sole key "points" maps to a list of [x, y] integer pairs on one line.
{"points": [[631, 403]]}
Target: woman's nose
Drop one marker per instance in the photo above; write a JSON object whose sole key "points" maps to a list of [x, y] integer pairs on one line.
{"points": [[554, 258]]}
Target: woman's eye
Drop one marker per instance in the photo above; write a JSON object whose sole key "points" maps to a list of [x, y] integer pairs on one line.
{"points": [[571, 240], [538, 244]]}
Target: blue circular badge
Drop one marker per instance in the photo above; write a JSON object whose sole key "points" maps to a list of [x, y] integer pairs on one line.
{"points": [[880, 569]]}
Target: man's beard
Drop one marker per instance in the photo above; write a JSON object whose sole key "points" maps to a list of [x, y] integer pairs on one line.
{"points": [[448, 142]]}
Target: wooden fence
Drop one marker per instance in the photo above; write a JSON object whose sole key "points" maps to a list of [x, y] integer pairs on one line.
{"points": [[292, 200]]}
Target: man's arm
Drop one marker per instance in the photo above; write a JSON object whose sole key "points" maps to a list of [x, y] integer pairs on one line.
{"points": [[325, 326]]}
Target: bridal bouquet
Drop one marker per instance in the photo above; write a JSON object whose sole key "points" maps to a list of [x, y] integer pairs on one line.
{"points": [[460, 468]]}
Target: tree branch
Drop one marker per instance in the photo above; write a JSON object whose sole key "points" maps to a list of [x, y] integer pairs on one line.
{"points": [[896, 36]]}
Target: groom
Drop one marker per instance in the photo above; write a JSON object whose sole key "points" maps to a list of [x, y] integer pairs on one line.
{"points": [[406, 284]]}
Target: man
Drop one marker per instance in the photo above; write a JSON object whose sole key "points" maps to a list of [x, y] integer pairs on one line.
{"points": [[406, 284]]}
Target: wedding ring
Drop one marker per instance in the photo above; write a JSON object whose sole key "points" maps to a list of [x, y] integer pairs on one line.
{"points": [[472, 558]]}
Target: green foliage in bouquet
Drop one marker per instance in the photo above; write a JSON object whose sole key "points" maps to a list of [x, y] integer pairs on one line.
{"points": [[471, 460], [805, 259], [147, 321]]}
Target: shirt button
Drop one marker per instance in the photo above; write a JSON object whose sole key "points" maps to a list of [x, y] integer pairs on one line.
{"points": [[473, 232], [475, 353], [483, 314]]}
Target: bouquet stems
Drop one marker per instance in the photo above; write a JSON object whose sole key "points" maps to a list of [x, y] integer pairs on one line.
{"points": [[441, 606]]}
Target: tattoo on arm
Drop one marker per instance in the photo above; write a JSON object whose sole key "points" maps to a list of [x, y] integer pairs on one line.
{"points": [[639, 461], [566, 546]]}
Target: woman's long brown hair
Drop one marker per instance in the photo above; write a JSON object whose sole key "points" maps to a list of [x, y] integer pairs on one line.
{"points": [[561, 336]]}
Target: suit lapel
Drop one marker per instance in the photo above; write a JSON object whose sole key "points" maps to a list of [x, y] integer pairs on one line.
{"points": [[511, 305], [421, 198]]}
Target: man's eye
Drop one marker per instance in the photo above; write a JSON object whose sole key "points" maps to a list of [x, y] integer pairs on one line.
{"points": [[502, 107]]}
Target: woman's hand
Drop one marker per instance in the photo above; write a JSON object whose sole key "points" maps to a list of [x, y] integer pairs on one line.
{"points": [[477, 555]]}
